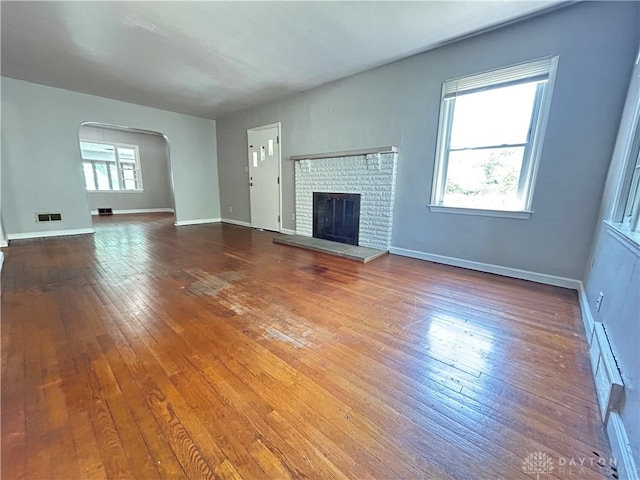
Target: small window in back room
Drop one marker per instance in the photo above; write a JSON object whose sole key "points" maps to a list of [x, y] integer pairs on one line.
{"points": [[111, 167], [490, 138], [629, 189]]}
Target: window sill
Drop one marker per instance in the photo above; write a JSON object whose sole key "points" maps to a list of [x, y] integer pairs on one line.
{"points": [[115, 191], [628, 238], [521, 215]]}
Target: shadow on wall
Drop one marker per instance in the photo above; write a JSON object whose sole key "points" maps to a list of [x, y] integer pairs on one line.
{"points": [[127, 170]]}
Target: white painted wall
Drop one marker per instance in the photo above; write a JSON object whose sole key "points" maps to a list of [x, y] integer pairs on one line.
{"points": [[3, 238], [154, 167], [614, 270], [41, 154], [398, 104]]}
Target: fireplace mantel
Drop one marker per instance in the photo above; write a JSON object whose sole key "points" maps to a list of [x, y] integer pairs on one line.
{"points": [[345, 153]]}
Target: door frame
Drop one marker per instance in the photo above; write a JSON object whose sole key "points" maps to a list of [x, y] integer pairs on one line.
{"points": [[277, 125]]}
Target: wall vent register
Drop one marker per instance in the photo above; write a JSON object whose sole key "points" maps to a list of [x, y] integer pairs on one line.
{"points": [[105, 211], [48, 217]]}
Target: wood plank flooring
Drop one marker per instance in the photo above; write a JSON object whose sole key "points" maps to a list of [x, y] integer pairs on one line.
{"points": [[150, 351]]}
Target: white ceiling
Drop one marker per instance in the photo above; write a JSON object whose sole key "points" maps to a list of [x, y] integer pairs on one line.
{"points": [[211, 58]]}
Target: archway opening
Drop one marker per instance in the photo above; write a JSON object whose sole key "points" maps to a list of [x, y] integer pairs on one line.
{"points": [[126, 170]]}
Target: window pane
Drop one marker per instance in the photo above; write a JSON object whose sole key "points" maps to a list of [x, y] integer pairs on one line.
{"points": [[484, 178], [633, 191], [493, 117], [129, 177], [89, 181], [102, 176], [102, 158], [127, 154], [130, 185], [115, 181], [97, 151]]}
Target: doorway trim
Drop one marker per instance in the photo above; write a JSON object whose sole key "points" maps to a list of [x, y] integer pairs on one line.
{"points": [[112, 126], [277, 125]]}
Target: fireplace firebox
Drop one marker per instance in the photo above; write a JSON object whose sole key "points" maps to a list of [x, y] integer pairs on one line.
{"points": [[336, 216]]}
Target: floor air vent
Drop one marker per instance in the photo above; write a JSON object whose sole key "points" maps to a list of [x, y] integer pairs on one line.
{"points": [[48, 217], [105, 211]]}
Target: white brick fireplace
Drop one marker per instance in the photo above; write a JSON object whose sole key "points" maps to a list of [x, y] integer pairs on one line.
{"points": [[369, 172]]}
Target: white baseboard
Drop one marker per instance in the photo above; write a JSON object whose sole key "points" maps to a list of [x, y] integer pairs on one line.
{"points": [[236, 222], [620, 448], [138, 210], [286, 231], [199, 221], [489, 268], [49, 233], [587, 318], [3, 243]]}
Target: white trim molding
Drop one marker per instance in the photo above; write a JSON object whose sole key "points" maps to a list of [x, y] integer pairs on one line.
{"points": [[490, 268], [626, 237], [199, 221], [240, 223], [3, 243], [587, 318], [111, 192], [345, 153], [620, 447], [287, 231], [137, 210], [49, 233], [521, 215]]}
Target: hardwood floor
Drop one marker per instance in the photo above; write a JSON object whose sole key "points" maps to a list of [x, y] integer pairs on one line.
{"points": [[149, 351]]}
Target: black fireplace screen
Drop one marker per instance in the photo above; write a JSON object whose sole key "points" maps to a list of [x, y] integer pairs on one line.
{"points": [[336, 216]]}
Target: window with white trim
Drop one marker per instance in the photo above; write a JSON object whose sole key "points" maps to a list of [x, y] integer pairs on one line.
{"points": [[624, 214], [629, 192], [632, 206], [490, 137], [111, 167]]}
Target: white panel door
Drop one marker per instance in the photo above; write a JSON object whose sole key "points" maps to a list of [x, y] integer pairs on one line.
{"points": [[264, 177]]}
